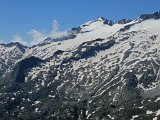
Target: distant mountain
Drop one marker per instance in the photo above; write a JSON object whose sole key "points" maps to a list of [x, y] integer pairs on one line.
{"points": [[98, 71]]}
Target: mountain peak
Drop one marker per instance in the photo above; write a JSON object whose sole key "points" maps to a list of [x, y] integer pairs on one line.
{"points": [[17, 44], [101, 19], [105, 21], [13, 44]]}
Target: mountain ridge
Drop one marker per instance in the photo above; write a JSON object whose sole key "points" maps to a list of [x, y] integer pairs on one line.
{"points": [[142, 17]]}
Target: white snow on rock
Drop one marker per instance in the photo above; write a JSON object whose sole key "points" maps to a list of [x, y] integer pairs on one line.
{"points": [[149, 112], [155, 118], [158, 112], [135, 116]]}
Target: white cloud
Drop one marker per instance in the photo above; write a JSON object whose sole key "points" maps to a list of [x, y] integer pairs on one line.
{"points": [[55, 33], [55, 26], [37, 36], [17, 38]]}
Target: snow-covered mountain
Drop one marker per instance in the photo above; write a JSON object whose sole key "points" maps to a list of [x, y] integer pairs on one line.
{"points": [[9, 55], [98, 71]]}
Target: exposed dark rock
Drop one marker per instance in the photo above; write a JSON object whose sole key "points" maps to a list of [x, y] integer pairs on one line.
{"points": [[90, 50], [155, 15], [105, 21], [127, 27], [124, 21], [131, 79], [58, 52], [76, 29], [18, 73]]}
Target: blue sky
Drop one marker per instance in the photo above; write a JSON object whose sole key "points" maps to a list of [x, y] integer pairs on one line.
{"points": [[28, 20]]}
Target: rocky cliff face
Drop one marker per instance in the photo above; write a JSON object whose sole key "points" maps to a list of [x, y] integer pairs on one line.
{"points": [[105, 72]]}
